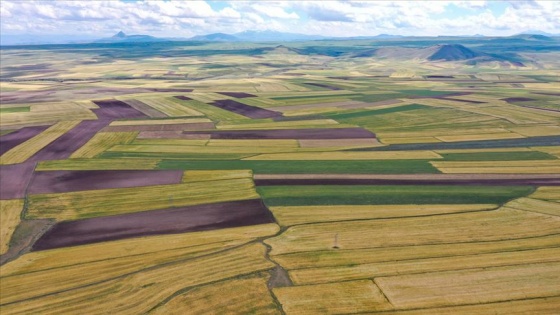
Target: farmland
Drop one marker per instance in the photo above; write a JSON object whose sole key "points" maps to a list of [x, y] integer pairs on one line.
{"points": [[258, 178]]}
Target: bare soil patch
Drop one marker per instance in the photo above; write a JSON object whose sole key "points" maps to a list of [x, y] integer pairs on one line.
{"points": [[166, 127], [146, 109], [183, 98], [156, 222], [170, 135], [27, 232], [317, 133], [49, 182], [460, 100], [15, 179], [325, 86], [245, 110], [113, 109], [517, 99], [237, 94], [170, 90], [69, 142], [17, 137]]}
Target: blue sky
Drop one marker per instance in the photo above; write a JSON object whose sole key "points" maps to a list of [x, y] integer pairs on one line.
{"points": [[332, 18]]}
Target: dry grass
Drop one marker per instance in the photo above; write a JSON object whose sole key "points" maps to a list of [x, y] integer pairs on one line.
{"points": [[503, 167], [97, 164], [472, 286], [353, 257], [547, 193], [159, 122], [212, 175], [535, 205], [133, 293], [170, 108], [536, 131], [332, 298], [244, 296], [10, 211], [287, 216], [456, 228], [27, 149], [316, 123], [101, 142], [102, 202], [418, 266], [483, 136]]}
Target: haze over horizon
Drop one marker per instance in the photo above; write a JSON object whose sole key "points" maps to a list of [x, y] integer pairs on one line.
{"points": [[96, 19]]}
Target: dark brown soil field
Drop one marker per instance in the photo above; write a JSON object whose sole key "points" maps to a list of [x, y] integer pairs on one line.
{"points": [[13, 139], [15, 179], [237, 94], [155, 222], [183, 98], [168, 127], [325, 86], [146, 109], [318, 133], [245, 110], [66, 181], [517, 99], [170, 135], [113, 109], [170, 90], [69, 142], [460, 100]]}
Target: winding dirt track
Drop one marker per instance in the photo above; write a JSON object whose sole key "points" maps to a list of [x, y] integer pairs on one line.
{"points": [[417, 179]]}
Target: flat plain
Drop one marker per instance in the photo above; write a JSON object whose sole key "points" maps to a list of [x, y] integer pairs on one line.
{"points": [[320, 177]]}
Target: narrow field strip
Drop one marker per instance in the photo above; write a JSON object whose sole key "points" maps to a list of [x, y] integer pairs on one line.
{"points": [[101, 142], [10, 216], [27, 149]]}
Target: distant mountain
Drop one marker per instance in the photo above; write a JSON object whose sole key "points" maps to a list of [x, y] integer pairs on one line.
{"points": [[121, 37], [538, 37], [453, 53], [215, 37], [533, 32], [380, 36]]}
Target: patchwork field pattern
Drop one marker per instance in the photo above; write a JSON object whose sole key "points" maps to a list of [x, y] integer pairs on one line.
{"points": [[277, 180]]}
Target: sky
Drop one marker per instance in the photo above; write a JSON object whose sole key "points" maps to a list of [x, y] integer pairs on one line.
{"points": [[329, 18]]}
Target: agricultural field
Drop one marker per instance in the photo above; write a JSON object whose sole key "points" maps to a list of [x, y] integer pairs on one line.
{"points": [[257, 178]]}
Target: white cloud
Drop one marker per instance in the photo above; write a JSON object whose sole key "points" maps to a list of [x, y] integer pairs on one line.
{"points": [[338, 18]]}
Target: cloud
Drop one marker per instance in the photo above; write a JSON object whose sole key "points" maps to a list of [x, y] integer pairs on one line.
{"points": [[337, 18]]}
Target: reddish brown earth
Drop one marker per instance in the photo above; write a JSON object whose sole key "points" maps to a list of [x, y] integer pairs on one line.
{"points": [[460, 100], [15, 179], [170, 90], [113, 109], [517, 99], [7, 142], [167, 127], [156, 222], [145, 108], [317, 133], [325, 86], [418, 179], [245, 110], [47, 182], [69, 142], [237, 94], [183, 98]]}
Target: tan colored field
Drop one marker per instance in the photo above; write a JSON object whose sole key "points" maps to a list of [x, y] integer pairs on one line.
{"points": [[49, 117], [137, 292], [457, 228], [483, 150], [344, 143], [159, 122], [248, 296], [389, 140], [378, 155], [333, 298], [101, 142], [504, 167], [483, 136], [170, 108], [10, 212], [102, 202], [339, 258], [535, 205], [27, 149], [201, 176], [278, 143], [315, 123], [536, 131], [543, 306], [463, 287], [547, 193], [287, 216], [164, 148], [97, 164], [419, 266]]}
